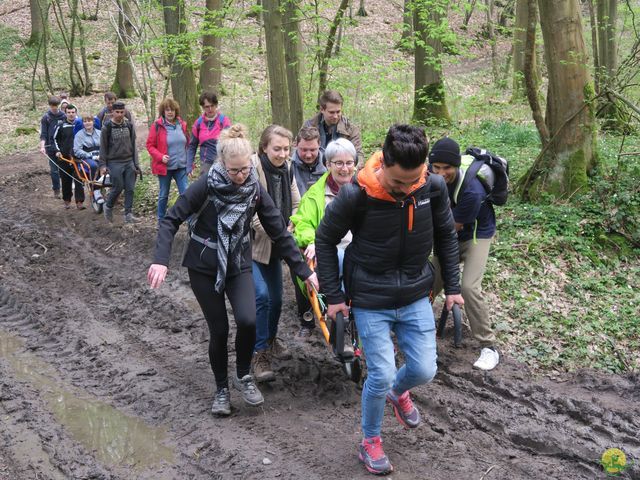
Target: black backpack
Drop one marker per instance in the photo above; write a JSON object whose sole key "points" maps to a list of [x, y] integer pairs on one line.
{"points": [[490, 169]]}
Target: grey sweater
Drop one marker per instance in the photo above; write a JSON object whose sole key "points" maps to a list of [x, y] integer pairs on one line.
{"points": [[118, 143]]}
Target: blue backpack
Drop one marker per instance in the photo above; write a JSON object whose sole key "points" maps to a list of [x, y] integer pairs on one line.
{"points": [[490, 169]]}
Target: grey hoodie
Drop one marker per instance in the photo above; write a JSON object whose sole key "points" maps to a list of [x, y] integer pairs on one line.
{"points": [[306, 176]]}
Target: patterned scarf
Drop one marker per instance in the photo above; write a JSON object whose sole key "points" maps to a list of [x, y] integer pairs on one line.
{"points": [[232, 203]]}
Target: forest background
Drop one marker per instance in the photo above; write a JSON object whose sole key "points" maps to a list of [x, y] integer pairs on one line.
{"points": [[564, 271]]}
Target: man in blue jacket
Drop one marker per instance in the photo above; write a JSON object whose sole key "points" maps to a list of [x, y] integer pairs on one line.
{"points": [[475, 223]]}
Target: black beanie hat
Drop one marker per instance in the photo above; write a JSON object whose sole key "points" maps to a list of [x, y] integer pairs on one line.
{"points": [[118, 105], [446, 151]]}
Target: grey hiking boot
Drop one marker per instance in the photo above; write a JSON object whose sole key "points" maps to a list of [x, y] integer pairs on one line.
{"points": [[221, 402], [250, 393], [279, 349], [262, 367], [108, 213], [130, 218]]}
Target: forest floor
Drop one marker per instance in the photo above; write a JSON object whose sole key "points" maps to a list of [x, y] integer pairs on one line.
{"points": [[101, 377]]}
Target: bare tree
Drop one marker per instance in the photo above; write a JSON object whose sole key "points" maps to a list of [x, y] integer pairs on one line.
{"points": [[276, 66], [561, 168], [293, 62], [430, 23], [183, 79], [123, 85], [37, 21], [211, 69], [323, 61]]}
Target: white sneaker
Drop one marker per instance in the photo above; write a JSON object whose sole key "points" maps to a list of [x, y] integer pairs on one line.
{"points": [[98, 197], [488, 360]]}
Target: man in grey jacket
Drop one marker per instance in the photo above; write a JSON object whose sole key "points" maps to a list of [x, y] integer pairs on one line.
{"points": [[119, 155], [308, 159]]}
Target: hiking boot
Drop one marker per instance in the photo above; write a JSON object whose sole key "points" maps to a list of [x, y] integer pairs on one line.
{"points": [[262, 367], [279, 349], [67, 205], [406, 412], [250, 393], [80, 206], [108, 213], [221, 402], [373, 457], [305, 333], [130, 218], [488, 360], [56, 194]]}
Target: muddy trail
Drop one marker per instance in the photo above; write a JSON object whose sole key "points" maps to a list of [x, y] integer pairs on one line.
{"points": [[102, 378]]}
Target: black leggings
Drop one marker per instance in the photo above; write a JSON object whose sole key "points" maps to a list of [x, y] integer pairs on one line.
{"points": [[241, 294]]}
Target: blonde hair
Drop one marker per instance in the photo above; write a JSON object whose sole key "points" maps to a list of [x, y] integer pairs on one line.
{"points": [[233, 142]]}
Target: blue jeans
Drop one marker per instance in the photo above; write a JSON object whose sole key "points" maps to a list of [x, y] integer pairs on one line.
{"points": [[268, 282], [53, 171], [415, 332], [180, 176]]}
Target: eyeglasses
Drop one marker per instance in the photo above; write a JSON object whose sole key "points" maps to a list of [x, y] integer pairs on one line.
{"points": [[238, 171], [341, 164]]}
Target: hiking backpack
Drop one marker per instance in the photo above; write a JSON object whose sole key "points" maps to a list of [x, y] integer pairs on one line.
{"points": [[490, 169]]}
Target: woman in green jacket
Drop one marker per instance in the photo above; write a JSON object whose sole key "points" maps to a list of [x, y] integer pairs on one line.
{"points": [[341, 158]]}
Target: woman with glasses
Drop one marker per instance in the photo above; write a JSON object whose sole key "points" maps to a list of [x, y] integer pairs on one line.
{"points": [[167, 145], [341, 159], [221, 205], [276, 176]]}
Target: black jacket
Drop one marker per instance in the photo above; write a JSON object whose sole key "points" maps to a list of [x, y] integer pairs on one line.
{"points": [[204, 259], [63, 139], [386, 265]]}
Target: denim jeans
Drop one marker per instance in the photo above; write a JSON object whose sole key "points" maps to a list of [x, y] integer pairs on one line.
{"points": [[415, 332], [53, 171], [268, 282], [180, 176]]}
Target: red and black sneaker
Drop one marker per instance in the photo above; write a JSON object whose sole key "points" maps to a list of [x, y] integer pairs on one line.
{"points": [[373, 457], [406, 413]]}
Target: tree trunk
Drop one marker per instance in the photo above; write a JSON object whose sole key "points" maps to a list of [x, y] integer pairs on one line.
{"points": [[276, 67], [562, 169], [406, 41], [183, 79], [326, 56], [519, 39], [607, 12], [37, 22], [362, 12], [293, 60], [211, 69], [430, 106], [594, 45], [123, 85], [492, 41]]}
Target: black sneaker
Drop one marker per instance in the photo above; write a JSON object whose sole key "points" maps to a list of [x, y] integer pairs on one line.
{"points": [[222, 402], [250, 393], [108, 213]]}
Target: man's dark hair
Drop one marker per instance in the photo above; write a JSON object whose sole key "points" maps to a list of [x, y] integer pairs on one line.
{"points": [[211, 97], [110, 96], [54, 101], [330, 96], [406, 146], [308, 134]]}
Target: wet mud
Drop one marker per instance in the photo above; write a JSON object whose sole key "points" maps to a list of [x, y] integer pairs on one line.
{"points": [[102, 378]]}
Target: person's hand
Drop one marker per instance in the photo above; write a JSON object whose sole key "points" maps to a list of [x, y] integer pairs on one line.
{"points": [[310, 251], [165, 159], [58, 154], [103, 171], [332, 310], [450, 300], [291, 227], [42, 149], [156, 275], [312, 282]]}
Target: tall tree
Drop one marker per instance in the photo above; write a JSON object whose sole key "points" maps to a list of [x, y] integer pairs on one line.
{"points": [[123, 85], [323, 61], [37, 21], [607, 13], [519, 39], [211, 69], [293, 61], [276, 66], [183, 79], [430, 24], [406, 41], [561, 169]]}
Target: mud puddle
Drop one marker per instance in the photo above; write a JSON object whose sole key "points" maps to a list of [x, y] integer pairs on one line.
{"points": [[115, 439]]}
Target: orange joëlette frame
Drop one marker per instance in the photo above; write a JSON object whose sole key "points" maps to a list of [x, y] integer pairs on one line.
{"points": [[81, 173], [315, 306]]}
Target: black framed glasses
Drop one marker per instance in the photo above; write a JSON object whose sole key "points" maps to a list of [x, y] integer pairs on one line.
{"points": [[238, 171], [341, 164]]}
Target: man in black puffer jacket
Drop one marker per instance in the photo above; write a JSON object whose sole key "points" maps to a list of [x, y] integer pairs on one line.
{"points": [[397, 213]]}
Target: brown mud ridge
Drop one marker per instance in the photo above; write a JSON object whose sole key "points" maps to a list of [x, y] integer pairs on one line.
{"points": [[102, 378]]}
